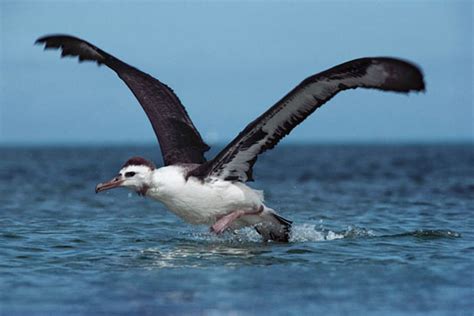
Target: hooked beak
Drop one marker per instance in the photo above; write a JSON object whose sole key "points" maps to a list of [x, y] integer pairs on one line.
{"points": [[114, 183]]}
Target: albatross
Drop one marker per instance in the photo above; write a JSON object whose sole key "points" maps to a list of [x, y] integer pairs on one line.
{"points": [[214, 192]]}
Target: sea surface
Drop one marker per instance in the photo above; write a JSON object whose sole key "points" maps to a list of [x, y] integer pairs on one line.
{"points": [[378, 230]]}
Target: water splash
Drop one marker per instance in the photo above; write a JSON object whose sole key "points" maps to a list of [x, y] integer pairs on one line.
{"points": [[309, 232], [299, 233]]}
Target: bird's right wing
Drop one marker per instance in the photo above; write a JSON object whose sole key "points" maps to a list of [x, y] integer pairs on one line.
{"points": [[235, 162], [179, 140]]}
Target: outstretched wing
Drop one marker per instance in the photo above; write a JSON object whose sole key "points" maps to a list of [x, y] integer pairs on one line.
{"points": [[235, 161], [179, 140]]}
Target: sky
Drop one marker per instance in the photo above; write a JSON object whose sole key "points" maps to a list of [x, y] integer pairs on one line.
{"points": [[228, 62]]}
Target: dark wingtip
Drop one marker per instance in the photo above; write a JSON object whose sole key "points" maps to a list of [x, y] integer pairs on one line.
{"points": [[41, 40], [404, 76], [45, 38], [73, 46], [423, 88], [418, 78]]}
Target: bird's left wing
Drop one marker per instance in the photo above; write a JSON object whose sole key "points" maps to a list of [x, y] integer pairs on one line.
{"points": [[179, 140], [235, 162]]}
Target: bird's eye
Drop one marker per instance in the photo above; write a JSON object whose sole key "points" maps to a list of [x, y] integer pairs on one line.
{"points": [[129, 174]]}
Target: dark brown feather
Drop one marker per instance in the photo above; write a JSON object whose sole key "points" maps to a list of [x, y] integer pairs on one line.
{"points": [[179, 140], [235, 161]]}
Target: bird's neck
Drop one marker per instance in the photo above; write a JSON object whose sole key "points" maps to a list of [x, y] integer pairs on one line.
{"points": [[143, 190], [146, 184], [165, 180]]}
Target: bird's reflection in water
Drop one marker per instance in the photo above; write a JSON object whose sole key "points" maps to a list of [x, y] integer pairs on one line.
{"points": [[206, 250], [243, 248]]}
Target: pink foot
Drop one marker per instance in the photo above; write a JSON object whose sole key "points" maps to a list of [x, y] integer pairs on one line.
{"points": [[225, 221]]}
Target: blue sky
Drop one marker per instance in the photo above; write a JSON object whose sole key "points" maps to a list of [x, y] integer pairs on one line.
{"points": [[230, 61]]}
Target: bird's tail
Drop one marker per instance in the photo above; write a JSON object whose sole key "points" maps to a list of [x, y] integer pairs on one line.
{"points": [[274, 227]]}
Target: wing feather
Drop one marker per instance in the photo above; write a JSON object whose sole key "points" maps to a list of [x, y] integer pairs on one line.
{"points": [[179, 140], [236, 160]]}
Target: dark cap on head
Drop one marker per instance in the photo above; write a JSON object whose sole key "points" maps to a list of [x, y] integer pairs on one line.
{"points": [[139, 161]]}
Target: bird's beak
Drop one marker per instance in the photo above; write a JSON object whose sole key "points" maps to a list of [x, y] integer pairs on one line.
{"points": [[114, 183]]}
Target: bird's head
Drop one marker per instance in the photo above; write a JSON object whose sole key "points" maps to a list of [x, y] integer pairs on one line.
{"points": [[135, 175]]}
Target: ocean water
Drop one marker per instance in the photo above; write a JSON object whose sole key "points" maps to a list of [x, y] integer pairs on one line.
{"points": [[378, 229]]}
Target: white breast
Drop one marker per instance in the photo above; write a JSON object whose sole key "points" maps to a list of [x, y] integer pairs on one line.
{"points": [[200, 202]]}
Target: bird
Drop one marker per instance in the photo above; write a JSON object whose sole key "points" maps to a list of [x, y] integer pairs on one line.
{"points": [[215, 192]]}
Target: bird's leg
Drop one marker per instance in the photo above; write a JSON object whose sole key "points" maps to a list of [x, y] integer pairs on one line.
{"points": [[225, 221]]}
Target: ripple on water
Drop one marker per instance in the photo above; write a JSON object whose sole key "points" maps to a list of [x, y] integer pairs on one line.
{"points": [[428, 234], [11, 235]]}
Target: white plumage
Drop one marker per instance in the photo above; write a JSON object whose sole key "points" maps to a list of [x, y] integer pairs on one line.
{"points": [[199, 202]]}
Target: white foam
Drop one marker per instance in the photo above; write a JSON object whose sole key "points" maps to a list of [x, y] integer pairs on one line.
{"points": [[299, 233], [309, 232]]}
